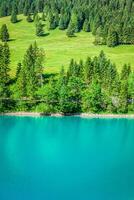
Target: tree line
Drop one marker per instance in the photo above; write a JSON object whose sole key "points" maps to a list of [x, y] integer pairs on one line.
{"points": [[91, 86], [111, 21]]}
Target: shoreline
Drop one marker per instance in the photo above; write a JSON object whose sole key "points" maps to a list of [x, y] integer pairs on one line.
{"points": [[84, 115]]}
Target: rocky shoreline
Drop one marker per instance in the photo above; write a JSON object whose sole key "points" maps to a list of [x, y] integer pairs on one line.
{"points": [[86, 115]]}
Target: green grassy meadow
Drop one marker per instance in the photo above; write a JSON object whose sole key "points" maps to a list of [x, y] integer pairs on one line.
{"points": [[58, 47]]}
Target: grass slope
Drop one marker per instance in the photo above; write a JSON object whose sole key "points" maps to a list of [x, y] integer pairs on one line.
{"points": [[60, 49]]}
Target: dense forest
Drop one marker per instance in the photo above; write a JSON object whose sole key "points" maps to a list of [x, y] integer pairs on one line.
{"points": [[92, 86], [111, 21]]}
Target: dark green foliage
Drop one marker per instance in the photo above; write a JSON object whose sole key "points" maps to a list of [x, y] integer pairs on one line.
{"points": [[29, 18], [92, 98], [43, 17], [112, 39], [39, 29], [71, 30], [53, 20], [4, 70], [4, 77], [29, 73], [36, 18], [64, 21], [86, 26], [14, 16], [4, 34]]}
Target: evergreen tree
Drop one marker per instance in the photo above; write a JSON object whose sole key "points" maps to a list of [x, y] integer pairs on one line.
{"points": [[39, 29], [3, 9], [52, 21], [19, 66], [14, 17], [131, 91], [123, 108], [86, 26], [71, 30], [74, 94], [4, 70], [112, 39], [29, 18], [36, 19], [88, 71], [4, 34], [29, 73], [93, 98], [43, 16]]}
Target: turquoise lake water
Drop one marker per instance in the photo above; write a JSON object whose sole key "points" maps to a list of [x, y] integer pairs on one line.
{"points": [[67, 158]]}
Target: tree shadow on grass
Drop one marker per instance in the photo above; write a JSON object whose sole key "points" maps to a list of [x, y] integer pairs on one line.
{"points": [[74, 36], [45, 34], [49, 75], [19, 20], [11, 40]]}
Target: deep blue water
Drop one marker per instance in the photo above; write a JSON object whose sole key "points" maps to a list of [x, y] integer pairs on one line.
{"points": [[67, 158]]}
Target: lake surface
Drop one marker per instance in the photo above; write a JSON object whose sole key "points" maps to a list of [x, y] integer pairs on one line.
{"points": [[66, 158]]}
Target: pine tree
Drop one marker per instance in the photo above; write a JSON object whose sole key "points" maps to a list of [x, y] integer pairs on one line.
{"points": [[29, 73], [123, 108], [39, 29], [19, 66], [86, 26], [52, 22], [93, 98], [14, 17], [64, 21], [21, 83], [4, 70], [75, 22], [61, 23], [3, 9], [4, 34], [29, 18], [26, 8], [43, 16], [71, 30], [88, 71], [112, 39], [36, 18], [74, 94]]}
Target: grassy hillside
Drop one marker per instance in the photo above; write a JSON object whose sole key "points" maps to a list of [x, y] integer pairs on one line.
{"points": [[60, 49]]}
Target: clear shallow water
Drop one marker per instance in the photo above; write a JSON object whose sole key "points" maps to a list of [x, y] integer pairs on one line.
{"points": [[67, 158]]}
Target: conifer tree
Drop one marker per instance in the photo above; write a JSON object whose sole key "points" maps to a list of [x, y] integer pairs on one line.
{"points": [[52, 21], [43, 16], [93, 98], [29, 18], [36, 18], [112, 39], [19, 66], [29, 73], [86, 26], [4, 34], [88, 71], [14, 17], [4, 70], [39, 29], [71, 30], [123, 106]]}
